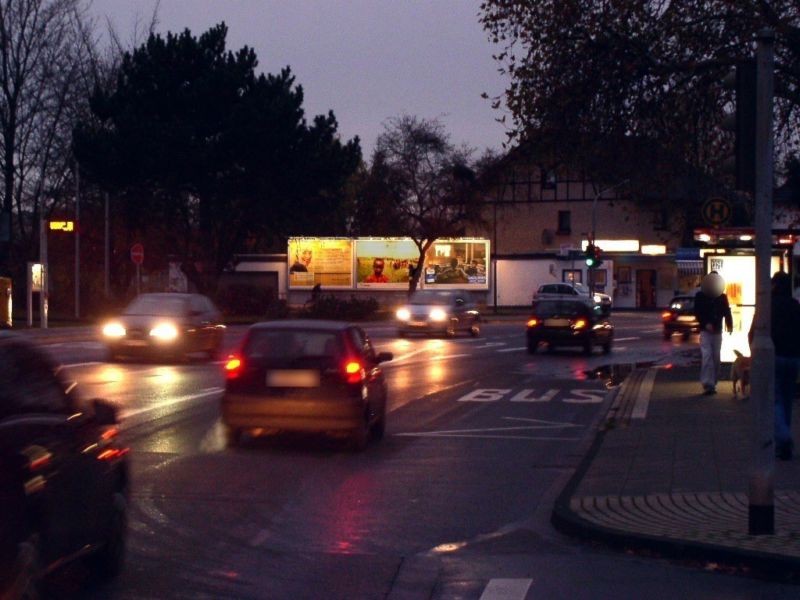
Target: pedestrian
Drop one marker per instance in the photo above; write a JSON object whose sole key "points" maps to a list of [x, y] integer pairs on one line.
{"points": [[711, 307], [785, 333]]}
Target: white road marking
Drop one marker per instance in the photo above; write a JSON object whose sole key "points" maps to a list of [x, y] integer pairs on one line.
{"points": [[506, 589], [408, 355], [626, 339], [84, 364], [512, 349], [491, 345], [260, 538], [585, 397], [524, 396], [491, 432], [484, 395], [643, 398]]}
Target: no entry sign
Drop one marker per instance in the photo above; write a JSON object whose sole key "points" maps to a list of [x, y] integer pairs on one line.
{"points": [[137, 253]]}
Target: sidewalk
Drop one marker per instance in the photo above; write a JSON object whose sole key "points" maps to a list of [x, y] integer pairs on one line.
{"points": [[669, 473]]}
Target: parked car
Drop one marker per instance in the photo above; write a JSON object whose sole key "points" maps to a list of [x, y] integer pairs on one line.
{"points": [[438, 312], [63, 477], [571, 290], [568, 322], [167, 326], [680, 318], [308, 376]]}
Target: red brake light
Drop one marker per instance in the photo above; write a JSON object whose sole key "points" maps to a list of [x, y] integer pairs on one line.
{"points": [[233, 367], [353, 371]]}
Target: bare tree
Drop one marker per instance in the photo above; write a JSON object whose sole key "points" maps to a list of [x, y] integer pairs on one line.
{"points": [[430, 185]]}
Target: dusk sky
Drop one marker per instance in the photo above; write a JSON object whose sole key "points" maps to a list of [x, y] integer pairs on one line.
{"points": [[367, 60]]}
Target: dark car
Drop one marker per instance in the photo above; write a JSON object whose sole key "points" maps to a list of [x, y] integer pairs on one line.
{"points": [[167, 326], [63, 478], [568, 322], [438, 312], [306, 376], [680, 317]]}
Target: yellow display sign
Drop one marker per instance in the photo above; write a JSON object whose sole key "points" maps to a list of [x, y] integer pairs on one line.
{"points": [[327, 262], [67, 226], [385, 263]]}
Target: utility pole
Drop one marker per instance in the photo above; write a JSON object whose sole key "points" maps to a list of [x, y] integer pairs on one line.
{"points": [[761, 509], [77, 278], [106, 270], [590, 274]]}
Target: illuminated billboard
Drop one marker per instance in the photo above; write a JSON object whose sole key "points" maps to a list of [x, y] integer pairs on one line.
{"points": [[324, 261], [457, 263], [385, 262]]}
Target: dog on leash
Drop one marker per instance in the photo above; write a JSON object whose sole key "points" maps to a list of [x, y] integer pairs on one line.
{"points": [[740, 374]]}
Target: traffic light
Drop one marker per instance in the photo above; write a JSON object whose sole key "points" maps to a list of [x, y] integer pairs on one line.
{"points": [[593, 259], [742, 80]]}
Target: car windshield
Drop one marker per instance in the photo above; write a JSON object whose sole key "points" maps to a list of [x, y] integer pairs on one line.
{"points": [[168, 306], [581, 288], [291, 344], [546, 308], [429, 297]]}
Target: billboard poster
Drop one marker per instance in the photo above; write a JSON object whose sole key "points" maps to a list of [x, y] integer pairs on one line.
{"points": [[384, 263], [324, 261], [457, 263]]}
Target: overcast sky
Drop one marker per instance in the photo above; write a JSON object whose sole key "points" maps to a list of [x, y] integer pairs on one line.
{"points": [[367, 60]]}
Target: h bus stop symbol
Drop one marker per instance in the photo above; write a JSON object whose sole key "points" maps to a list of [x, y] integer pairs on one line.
{"points": [[716, 211]]}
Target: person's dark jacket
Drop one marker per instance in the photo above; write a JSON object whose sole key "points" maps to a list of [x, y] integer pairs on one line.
{"points": [[784, 319], [712, 311]]}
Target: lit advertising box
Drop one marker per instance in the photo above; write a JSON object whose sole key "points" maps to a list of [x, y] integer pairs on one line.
{"points": [[457, 264], [384, 262], [324, 261]]}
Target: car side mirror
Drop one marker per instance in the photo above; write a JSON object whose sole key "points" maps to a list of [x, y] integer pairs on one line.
{"points": [[105, 413], [384, 357]]}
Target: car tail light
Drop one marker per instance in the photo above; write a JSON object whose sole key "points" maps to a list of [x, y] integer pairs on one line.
{"points": [[533, 322], [579, 324], [233, 367], [353, 371]]}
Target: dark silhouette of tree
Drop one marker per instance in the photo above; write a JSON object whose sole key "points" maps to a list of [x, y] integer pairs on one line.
{"points": [[605, 85], [419, 186], [205, 155]]}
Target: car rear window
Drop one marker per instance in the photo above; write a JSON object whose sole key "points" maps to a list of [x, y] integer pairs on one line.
{"points": [[291, 344], [558, 307]]}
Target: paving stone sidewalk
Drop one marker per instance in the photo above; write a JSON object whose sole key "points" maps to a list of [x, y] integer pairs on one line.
{"points": [[669, 472]]}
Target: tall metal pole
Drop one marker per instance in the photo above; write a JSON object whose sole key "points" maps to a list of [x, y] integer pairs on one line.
{"points": [[590, 276], [107, 258], [45, 273], [77, 278], [761, 511]]}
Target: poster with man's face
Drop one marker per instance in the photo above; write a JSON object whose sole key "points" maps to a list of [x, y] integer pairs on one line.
{"points": [[451, 264], [385, 263], [327, 262]]}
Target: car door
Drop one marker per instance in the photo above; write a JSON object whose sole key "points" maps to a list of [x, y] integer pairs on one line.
{"points": [[201, 321], [375, 382], [55, 471]]}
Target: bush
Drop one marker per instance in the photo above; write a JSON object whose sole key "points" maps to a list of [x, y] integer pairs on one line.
{"points": [[329, 306], [244, 300]]}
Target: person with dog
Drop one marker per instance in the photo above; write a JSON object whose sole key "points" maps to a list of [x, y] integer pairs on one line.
{"points": [[785, 334], [711, 307]]}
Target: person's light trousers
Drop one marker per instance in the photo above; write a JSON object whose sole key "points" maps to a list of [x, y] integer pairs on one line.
{"points": [[710, 347]]}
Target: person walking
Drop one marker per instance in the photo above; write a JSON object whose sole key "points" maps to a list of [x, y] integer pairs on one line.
{"points": [[785, 333], [711, 307]]}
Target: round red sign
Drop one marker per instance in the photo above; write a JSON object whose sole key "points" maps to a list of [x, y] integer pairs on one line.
{"points": [[137, 253]]}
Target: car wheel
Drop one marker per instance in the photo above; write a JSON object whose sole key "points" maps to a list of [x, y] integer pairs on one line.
{"points": [[360, 437], [686, 336], [451, 329], [108, 560], [475, 329], [587, 347], [532, 345], [379, 427], [233, 436], [607, 347], [667, 334]]}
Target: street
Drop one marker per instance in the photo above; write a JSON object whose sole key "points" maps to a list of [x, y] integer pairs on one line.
{"points": [[455, 502]]}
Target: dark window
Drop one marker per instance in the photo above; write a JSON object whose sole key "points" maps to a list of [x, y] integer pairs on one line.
{"points": [[361, 341], [564, 222], [548, 179]]}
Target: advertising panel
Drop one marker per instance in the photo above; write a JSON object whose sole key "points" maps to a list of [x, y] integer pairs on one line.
{"points": [[324, 261], [457, 263], [385, 263]]}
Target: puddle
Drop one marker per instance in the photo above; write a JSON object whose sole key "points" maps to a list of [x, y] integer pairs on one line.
{"points": [[613, 375]]}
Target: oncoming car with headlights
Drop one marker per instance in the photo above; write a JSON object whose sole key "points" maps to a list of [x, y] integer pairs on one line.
{"points": [[165, 326], [438, 312]]}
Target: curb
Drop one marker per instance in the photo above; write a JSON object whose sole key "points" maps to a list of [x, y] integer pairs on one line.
{"points": [[766, 565]]}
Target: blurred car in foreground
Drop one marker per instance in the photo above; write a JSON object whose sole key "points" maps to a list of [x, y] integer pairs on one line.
{"points": [[554, 291], [680, 318], [307, 376], [167, 326], [568, 322], [438, 312], [63, 478]]}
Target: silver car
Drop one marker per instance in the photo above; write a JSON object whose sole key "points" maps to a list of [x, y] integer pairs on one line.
{"points": [[438, 312], [557, 291]]}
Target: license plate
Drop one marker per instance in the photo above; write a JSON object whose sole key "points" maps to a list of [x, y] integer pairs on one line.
{"points": [[293, 378], [685, 318], [138, 343], [418, 323], [556, 322]]}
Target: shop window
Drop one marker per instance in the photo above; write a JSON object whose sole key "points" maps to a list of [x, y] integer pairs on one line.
{"points": [[572, 276], [564, 222]]}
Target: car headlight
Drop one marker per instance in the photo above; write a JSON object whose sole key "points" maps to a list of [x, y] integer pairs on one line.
{"points": [[437, 314], [164, 331], [403, 314], [113, 330], [597, 298]]}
